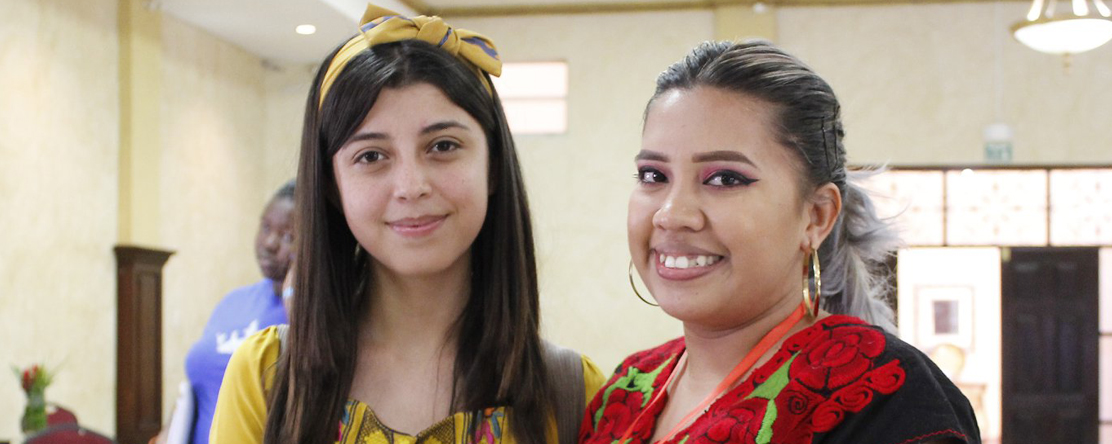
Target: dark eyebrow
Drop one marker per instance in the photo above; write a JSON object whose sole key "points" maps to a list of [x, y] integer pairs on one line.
{"points": [[367, 136], [651, 155], [440, 126], [722, 155]]}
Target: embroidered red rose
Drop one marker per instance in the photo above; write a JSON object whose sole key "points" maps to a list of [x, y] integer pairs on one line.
{"points": [[854, 397], [621, 408], [740, 424], [827, 416], [887, 378], [794, 405], [837, 358], [796, 400]]}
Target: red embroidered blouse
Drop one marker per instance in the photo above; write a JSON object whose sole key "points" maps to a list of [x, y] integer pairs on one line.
{"points": [[838, 381]]}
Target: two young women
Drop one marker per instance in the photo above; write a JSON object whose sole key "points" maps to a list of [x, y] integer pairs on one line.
{"points": [[417, 286]]}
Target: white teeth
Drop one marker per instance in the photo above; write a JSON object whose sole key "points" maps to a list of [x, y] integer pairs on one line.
{"points": [[685, 262]]}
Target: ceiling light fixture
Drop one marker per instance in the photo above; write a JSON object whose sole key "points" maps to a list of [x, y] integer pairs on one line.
{"points": [[306, 29], [1086, 26]]}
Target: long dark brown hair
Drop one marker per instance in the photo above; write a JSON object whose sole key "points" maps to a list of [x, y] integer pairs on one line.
{"points": [[809, 124], [499, 362]]}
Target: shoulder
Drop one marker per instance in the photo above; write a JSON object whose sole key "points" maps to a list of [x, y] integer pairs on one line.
{"points": [[255, 358], [592, 377], [874, 387], [240, 414], [624, 396]]}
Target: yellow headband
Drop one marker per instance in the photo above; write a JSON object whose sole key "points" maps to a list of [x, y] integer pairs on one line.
{"points": [[380, 25]]}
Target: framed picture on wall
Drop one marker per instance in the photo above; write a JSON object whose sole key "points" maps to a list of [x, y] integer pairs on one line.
{"points": [[944, 315]]}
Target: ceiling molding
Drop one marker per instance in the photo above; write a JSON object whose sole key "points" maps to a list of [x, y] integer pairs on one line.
{"points": [[650, 6]]}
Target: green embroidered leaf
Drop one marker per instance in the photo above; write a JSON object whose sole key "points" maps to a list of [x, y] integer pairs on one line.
{"points": [[771, 388], [633, 381], [765, 435]]}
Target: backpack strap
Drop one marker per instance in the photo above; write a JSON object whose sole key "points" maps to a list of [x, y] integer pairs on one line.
{"points": [[565, 370], [283, 331]]}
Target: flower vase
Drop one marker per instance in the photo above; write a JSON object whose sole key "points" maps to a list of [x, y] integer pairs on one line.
{"points": [[34, 416]]}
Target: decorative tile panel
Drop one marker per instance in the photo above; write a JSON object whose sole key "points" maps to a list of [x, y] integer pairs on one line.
{"points": [[1081, 207], [996, 207]]}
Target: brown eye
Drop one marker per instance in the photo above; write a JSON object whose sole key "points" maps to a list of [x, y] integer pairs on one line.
{"points": [[650, 175], [369, 157], [728, 179], [444, 146]]}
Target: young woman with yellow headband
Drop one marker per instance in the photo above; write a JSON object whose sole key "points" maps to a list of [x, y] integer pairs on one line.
{"points": [[744, 205], [416, 310]]}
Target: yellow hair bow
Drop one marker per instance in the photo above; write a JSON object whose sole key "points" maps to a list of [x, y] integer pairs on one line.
{"points": [[381, 25]]}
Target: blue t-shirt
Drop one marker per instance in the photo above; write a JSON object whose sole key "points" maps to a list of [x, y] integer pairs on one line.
{"points": [[243, 312]]}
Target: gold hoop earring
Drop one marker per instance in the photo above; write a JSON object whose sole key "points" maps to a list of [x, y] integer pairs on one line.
{"points": [[811, 304], [634, 287]]}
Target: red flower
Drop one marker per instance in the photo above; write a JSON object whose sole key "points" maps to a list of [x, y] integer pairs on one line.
{"points": [[887, 378], [740, 424], [796, 400], [794, 405], [854, 397], [28, 380], [622, 407], [838, 358], [827, 416]]}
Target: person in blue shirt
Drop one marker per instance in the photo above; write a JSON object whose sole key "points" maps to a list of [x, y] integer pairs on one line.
{"points": [[241, 313]]}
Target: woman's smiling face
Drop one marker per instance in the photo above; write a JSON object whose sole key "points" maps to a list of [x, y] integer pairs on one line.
{"points": [[413, 181], [717, 224]]}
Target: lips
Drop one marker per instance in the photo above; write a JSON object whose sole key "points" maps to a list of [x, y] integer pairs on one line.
{"points": [[682, 266], [416, 226]]}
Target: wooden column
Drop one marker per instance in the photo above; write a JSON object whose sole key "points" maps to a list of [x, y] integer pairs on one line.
{"points": [[139, 343]]}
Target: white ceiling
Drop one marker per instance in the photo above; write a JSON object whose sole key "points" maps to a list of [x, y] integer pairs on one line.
{"points": [[266, 27], [462, 4]]}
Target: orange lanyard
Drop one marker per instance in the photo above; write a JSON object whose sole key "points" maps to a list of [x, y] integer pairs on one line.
{"points": [[775, 335]]}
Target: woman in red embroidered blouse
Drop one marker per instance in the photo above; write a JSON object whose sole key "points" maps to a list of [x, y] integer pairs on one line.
{"points": [[742, 193]]}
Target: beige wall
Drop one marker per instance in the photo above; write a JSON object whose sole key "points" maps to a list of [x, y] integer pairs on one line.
{"points": [[214, 182], [286, 88], [919, 83], [59, 132], [59, 135]]}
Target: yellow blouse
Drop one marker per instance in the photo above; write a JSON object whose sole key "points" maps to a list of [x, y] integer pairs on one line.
{"points": [[240, 416]]}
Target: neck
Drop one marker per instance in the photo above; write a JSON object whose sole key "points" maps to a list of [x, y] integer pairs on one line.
{"points": [[277, 286], [416, 312], [713, 352]]}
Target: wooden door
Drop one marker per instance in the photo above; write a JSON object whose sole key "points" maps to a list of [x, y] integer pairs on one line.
{"points": [[1049, 301]]}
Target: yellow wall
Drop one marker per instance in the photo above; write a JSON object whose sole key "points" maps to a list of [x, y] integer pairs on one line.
{"points": [[59, 135]]}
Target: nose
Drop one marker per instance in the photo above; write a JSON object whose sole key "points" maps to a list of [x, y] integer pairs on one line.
{"points": [[272, 240], [679, 211], [411, 181]]}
